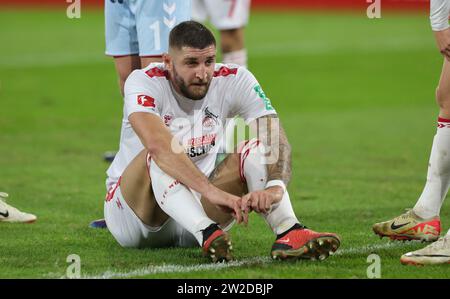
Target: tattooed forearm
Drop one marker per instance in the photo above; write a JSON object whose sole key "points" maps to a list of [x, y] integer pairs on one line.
{"points": [[269, 130]]}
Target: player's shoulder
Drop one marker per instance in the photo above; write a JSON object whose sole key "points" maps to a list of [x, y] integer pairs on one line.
{"points": [[154, 71], [228, 71], [152, 76], [233, 75]]}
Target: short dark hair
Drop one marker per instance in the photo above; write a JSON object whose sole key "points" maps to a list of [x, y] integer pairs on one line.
{"points": [[191, 34]]}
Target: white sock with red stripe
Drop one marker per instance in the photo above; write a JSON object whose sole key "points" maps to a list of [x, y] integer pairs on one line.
{"points": [[237, 57], [438, 177], [253, 171], [179, 202]]}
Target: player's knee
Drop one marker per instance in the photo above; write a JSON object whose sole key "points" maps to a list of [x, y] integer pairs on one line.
{"points": [[443, 98], [231, 40]]}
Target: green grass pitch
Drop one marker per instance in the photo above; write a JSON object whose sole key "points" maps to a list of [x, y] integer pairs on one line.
{"points": [[355, 95]]}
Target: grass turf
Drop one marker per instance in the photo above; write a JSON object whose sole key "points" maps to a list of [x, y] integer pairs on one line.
{"points": [[356, 97]]}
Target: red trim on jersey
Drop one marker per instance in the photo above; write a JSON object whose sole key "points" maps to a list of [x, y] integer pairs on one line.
{"points": [[443, 120], [224, 71], [157, 72]]}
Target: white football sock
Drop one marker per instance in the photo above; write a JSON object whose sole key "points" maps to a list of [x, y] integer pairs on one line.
{"points": [[179, 202], [253, 171], [438, 177], [237, 57]]}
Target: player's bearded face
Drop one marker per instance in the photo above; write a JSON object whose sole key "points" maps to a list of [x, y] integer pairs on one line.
{"points": [[192, 71]]}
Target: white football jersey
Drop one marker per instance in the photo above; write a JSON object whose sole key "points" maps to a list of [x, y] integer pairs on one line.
{"points": [[199, 124]]}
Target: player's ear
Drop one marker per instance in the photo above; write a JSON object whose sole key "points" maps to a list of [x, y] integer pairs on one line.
{"points": [[167, 59]]}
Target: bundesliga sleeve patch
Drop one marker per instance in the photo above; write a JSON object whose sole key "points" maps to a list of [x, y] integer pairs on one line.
{"points": [[146, 101]]}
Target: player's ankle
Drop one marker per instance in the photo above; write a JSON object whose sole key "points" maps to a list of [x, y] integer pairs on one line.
{"points": [[295, 226], [424, 213], [208, 231]]}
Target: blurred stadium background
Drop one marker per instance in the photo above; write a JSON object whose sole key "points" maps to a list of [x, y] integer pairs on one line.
{"points": [[356, 96]]}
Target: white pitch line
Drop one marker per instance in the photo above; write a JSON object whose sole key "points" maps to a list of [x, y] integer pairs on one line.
{"points": [[259, 260], [369, 248], [180, 268]]}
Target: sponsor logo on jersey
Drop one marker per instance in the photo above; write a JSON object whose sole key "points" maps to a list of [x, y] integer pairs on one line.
{"points": [[146, 101], [200, 145], [262, 95]]}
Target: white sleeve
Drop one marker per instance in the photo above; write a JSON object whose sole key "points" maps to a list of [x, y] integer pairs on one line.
{"points": [[250, 101], [141, 94], [439, 13]]}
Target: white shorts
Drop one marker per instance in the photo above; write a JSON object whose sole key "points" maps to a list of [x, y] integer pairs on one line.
{"points": [[130, 231], [223, 14]]}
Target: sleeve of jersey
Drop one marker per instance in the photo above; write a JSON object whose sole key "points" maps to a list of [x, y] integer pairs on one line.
{"points": [[250, 101], [439, 14], [141, 94]]}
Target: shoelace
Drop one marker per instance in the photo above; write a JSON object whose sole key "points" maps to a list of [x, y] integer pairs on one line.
{"points": [[407, 214]]}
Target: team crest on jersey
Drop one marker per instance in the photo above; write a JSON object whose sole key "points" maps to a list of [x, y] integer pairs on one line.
{"points": [[167, 119], [210, 119], [146, 101]]}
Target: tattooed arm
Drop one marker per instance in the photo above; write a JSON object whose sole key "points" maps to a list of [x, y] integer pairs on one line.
{"points": [[272, 135]]}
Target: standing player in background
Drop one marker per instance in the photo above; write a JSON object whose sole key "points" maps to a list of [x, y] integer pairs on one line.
{"points": [[11, 214], [423, 222], [137, 31], [230, 17], [137, 34]]}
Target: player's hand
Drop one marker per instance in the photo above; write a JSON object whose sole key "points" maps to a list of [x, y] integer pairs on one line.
{"points": [[443, 42], [226, 202], [260, 201]]}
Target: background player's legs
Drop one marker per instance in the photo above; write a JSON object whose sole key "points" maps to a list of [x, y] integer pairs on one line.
{"points": [[438, 177], [230, 18], [423, 222], [137, 191], [124, 66], [233, 46], [443, 91]]}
